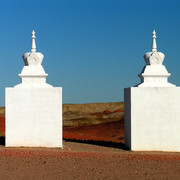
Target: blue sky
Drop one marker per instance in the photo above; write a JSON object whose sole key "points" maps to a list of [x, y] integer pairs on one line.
{"points": [[92, 48]]}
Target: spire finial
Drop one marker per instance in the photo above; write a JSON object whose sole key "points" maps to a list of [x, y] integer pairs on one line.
{"points": [[33, 45], [154, 46]]}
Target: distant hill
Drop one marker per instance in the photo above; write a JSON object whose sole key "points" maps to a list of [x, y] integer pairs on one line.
{"points": [[92, 113], [93, 107]]}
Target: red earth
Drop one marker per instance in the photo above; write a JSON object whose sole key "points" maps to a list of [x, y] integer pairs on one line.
{"points": [[2, 124], [107, 132], [86, 161], [98, 152]]}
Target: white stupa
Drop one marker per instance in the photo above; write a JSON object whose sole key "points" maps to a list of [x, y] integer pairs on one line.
{"points": [[152, 116], [33, 107]]}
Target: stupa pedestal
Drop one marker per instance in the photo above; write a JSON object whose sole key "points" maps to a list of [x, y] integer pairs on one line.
{"points": [[33, 107], [152, 116]]}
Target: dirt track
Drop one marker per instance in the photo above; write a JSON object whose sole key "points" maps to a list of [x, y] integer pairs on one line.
{"points": [[87, 161]]}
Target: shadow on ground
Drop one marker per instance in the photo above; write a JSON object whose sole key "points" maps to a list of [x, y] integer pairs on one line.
{"points": [[2, 141], [100, 143]]}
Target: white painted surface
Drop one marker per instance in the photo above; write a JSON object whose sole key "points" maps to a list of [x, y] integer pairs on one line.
{"points": [[154, 74], [33, 74], [152, 118], [152, 108], [33, 107], [34, 117]]}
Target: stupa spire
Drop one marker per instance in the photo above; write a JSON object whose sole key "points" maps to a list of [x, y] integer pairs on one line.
{"points": [[33, 44], [33, 74], [154, 74], [154, 46]]}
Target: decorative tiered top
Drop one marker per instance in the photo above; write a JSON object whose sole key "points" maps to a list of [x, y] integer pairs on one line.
{"points": [[154, 57], [154, 74], [33, 57], [33, 74]]}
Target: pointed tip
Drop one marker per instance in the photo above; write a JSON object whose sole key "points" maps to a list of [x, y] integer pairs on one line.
{"points": [[154, 46], [33, 34], [154, 34]]}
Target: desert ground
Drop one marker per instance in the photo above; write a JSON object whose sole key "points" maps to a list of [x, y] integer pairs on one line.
{"points": [[93, 149]]}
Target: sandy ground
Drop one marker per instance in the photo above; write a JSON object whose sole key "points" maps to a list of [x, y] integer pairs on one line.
{"points": [[94, 149], [86, 161]]}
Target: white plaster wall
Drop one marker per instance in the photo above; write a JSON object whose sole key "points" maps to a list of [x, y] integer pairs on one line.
{"points": [[34, 117], [152, 118]]}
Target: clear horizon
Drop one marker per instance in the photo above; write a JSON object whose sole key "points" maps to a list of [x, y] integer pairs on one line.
{"points": [[93, 49]]}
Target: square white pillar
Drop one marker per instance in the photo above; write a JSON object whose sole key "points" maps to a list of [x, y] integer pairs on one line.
{"points": [[34, 117], [33, 107], [152, 118]]}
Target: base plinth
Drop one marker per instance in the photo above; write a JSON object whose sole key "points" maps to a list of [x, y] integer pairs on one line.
{"points": [[34, 117], [152, 118]]}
